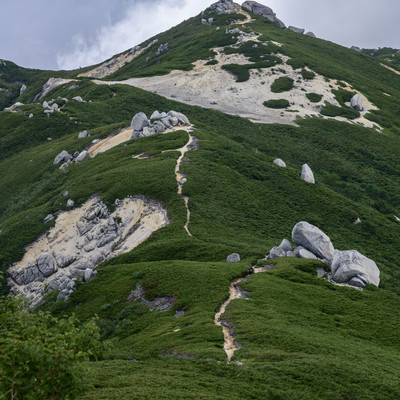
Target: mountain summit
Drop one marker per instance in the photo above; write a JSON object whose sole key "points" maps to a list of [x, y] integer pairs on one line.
{"points": [[225, 197]]}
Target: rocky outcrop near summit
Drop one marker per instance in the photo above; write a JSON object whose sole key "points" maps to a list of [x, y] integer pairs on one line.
{"points": [[80, 240], [346, 267], [260, 9], [224, 7]]}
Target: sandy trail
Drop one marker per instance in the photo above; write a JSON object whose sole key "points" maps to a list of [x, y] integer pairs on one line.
{"points": [[181, 180], [230, 344], [391, 69]]}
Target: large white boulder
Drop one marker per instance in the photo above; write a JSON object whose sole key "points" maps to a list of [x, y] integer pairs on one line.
{"points": [[307, 174], [233, 258], [356, 102], [350, 265], [313, 239], [139, 121], [279, 163]]}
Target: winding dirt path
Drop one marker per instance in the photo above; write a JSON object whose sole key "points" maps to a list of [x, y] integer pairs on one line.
{"points": [[181, 179], [235, 292]]}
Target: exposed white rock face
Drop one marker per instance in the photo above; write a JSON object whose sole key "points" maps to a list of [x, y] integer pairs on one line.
{"points": [[51, 84], [79, 99], [307, 174], [313, 239], [356, 102], [352, 266], [62, 157], [82, 155], [224, 7], [279, 163], [264, 11], [22, 90], [81, 239], [233, 258]]}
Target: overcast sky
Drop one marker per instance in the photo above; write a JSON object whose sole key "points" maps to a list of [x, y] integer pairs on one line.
{"points": [[66, 34]]}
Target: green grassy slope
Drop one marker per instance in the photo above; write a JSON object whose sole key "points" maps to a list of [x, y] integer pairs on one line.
{"points": [[302, 337]]}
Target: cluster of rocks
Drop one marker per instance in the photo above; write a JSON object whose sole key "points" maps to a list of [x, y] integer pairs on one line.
{"points": [[164, 303], [162, 49], [307, 174], [260, 9], [347, 267], [357, 103], [158, 123], [224, 7], [50, 107], [208, 21], [77, 244], [64, 159], [15, 107]]}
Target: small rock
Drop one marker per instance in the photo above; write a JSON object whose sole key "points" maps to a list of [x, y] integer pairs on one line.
{"points": [[311, 34], [70, 203], [307, 174], [78, 99], [156, 115], [83, 134], [48, 219], [81, 156], [88, 274], [357, 221], [62, 157], [297, 30], [30, 115], [233, 258], [320, 272], [276, 252], [179, 314], [46, 265], [279, 163], [397, 218], [95, 141], [66, 193], [22, 90], [355, 48], [286, 245], [45, 104], [301, 252]]}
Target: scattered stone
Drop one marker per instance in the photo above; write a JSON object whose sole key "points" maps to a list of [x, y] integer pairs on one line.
{"points": [[397, 218], [313, 239], [260, 9], [311, 34], [73, 87], [286, 245], [233, 258], [157, 115], [79, 99], [48, 219], [22, 90], [14, 107], [162, 49], [179, 314], [276, 252], [356, 102], [321, 273], [297, 30], [64, 156], [66, 193], [301, 252], [135, 49], [279, 163], [182, 119], [70, 203], [83, 134], [355, 48], [350, 264], [357, 221], [30, 116], [95, 141], [81, 156], [307, 174]]}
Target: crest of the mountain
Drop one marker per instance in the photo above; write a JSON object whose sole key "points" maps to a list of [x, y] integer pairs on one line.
{"points": [[224, 7]]}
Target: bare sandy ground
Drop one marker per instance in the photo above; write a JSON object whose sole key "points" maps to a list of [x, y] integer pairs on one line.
{"points": [[110, 142], [391, 69]]}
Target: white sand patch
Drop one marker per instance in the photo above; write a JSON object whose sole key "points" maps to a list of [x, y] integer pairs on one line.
{"points": [[391, 69], [110, 142], [87, 236]]}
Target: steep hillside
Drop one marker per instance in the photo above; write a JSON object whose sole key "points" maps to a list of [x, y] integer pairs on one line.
{"points": [[66, 171]]}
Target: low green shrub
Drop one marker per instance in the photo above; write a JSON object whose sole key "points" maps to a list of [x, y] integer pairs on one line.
{"points": [[314, 97], [282, 84], [279, 103], [330, 110], [308, 75]]}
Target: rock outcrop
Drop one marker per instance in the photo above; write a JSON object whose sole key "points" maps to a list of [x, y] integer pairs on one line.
{"points": [[347, 267], [162, 49], [313, 239], [351, 266], [52, 84], [311, 34], [158, 123], [356, 102], [224, 7], [260, 9], [306, 174], [80, 240], [62, 157]]}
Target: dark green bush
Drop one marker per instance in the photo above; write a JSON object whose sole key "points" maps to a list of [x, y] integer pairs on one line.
{"points": [[308, 75], [280, 103], [334, 111], [41, 356], [314, 97], [282, 84]]}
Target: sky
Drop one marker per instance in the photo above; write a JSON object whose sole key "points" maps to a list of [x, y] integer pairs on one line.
{"points": [[61, 34]]}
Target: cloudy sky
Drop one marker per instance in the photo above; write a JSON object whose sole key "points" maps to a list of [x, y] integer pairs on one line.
{"points": [[61, 34]]}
